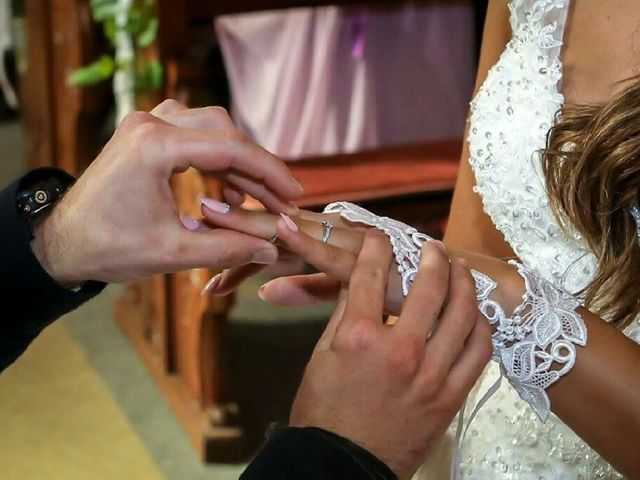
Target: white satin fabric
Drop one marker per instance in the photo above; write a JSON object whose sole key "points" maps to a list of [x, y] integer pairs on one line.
{"points": [[327, 80]]}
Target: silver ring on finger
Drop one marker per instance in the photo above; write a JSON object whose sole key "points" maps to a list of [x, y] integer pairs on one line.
{"points": [[326, 231], [274, 238]]}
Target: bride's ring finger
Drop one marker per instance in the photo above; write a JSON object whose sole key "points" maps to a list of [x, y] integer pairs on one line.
{"points": [[334, 218], [263, 225]]}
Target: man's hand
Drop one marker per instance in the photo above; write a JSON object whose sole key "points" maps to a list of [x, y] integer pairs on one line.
{"points": [[120, 222], [394, 390]]}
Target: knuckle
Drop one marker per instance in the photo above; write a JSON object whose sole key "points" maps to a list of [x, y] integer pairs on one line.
{"points": [[134, 120], [358, 337], [147, 132], [168, 105], [433, 257], [233, 135], [373, 275], [217, 117], [431, 380], [405, 356], [218, 111], [428, 387]]}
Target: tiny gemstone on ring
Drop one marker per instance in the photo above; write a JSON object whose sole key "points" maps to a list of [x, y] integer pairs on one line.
{"points": [[326, 231]]}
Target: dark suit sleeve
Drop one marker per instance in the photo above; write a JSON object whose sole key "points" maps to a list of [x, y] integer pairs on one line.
{"points": [[314, 454], [31, 299]]}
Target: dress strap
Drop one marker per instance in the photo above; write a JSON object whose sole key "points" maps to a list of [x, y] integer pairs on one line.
{"points": [[543, 21]]}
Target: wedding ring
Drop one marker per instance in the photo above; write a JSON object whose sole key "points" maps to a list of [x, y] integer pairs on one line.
{"points": [[274, 239], [326, 231]]}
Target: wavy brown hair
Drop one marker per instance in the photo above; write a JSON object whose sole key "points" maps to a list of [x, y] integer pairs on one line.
{"points": [[592, 172]]}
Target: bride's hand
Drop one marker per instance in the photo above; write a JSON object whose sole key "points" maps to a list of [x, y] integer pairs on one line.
{"points": [[301, 235]]}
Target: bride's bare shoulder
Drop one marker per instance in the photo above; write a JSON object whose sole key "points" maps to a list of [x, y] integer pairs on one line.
{"points": [[602, 47]]}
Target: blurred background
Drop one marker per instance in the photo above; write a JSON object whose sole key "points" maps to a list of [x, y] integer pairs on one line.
{"points": [[367, 102]]}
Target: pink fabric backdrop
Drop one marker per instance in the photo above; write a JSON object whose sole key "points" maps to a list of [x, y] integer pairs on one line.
{"points": [[326, 80]]}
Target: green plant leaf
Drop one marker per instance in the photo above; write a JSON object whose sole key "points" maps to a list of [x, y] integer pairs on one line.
{"points": [[156, 74], [151, 78], [109, 28], [135, 20], [103, 9], [149, 34], [93, 73]]}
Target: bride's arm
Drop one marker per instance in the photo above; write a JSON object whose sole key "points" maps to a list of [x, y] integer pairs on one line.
{"points": [[466, 213], [599, 398]]}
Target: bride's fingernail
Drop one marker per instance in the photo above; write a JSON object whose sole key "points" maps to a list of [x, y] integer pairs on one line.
{"points": [[298, 185], [215, 205], [261, 293], [190, 223], [290, 224], [212, 284]]}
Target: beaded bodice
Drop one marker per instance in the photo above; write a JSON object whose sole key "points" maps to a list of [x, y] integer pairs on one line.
{"points": [[509, 121]]}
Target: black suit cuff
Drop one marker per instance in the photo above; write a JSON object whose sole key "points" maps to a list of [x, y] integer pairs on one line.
{"points": [[314, 454], [31, 298]]}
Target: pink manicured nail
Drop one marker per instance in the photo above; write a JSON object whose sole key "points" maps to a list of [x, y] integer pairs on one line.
{"points": [[289, 223], [212, 284], [215, 205], [190, 223], [298, 185], [261, 293]]}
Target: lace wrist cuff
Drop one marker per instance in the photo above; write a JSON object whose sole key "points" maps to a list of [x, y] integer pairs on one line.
{"points": [[405, 240], [534, 345]]}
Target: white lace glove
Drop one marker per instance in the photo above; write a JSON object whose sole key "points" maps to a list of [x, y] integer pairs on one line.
{"points": [[534, 345]]}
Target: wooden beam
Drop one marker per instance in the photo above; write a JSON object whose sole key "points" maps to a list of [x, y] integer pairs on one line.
{"points": [[36, 85]]}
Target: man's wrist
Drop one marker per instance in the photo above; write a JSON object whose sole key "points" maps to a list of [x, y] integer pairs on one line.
{"points": [[48, 247]]}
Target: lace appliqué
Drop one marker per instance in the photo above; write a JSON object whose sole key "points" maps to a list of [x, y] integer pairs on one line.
{"points": [[534, 346], [405, 240]]}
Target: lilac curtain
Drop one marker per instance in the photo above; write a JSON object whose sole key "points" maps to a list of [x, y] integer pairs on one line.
{"points": [[326, 80]]}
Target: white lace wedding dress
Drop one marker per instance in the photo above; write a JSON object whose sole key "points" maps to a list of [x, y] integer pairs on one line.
{"points": [[509, 121]]}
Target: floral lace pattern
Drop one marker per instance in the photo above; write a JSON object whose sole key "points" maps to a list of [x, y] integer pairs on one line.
{"points": [[509, 120], [535, 345], [406, 241]]}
